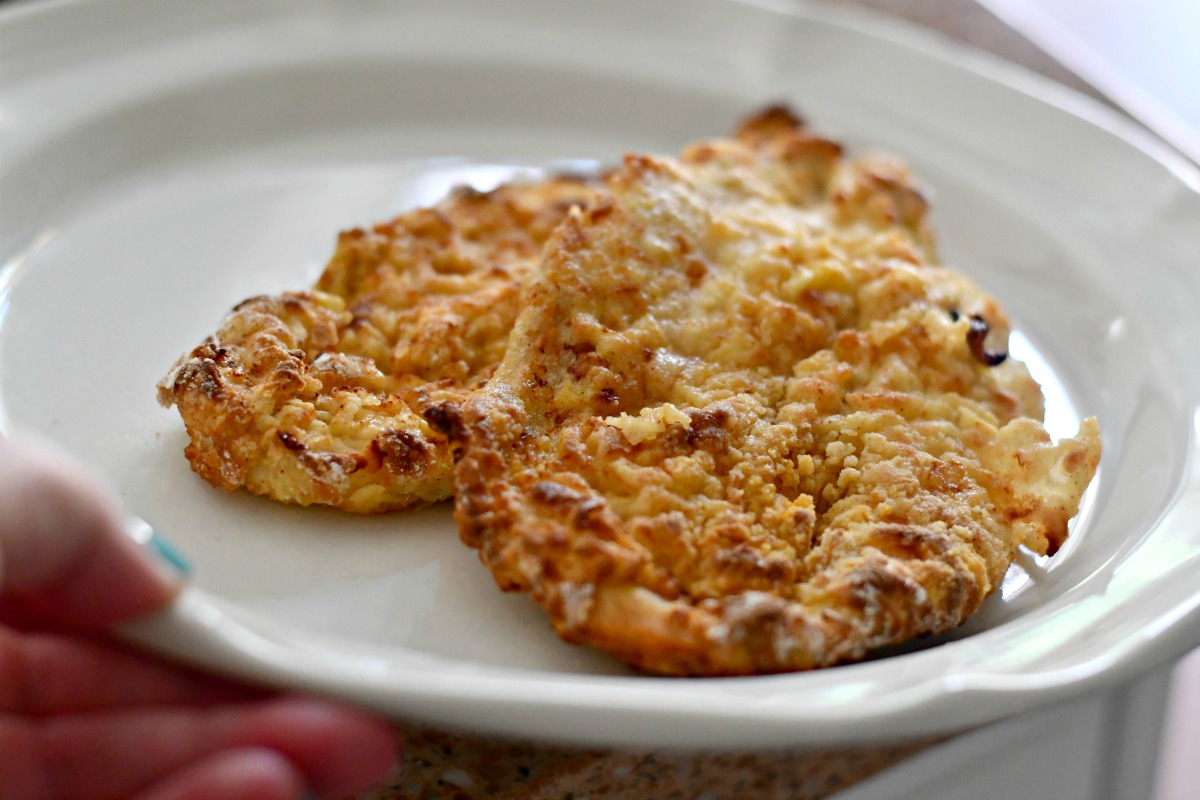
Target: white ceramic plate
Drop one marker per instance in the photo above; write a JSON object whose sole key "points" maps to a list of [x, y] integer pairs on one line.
{"points": [[161, 161]]}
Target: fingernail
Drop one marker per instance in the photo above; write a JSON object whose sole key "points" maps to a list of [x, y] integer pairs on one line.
{"points": [[153, 543]]}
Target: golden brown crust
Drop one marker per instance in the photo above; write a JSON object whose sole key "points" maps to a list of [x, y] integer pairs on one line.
{"points": [[345, 395], [744, 422]]}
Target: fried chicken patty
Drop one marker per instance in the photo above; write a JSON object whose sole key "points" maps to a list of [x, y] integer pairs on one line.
{"points": [[746, 424], [345, 395]]}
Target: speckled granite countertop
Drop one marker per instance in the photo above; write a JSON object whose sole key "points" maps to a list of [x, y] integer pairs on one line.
{"points": [[445, 766]]}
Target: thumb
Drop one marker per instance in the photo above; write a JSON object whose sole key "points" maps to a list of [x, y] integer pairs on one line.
{"points": [[64, 554]]}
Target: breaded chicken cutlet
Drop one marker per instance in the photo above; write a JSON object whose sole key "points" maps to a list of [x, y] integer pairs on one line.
{"points": [[346, 395], [746, 424]]}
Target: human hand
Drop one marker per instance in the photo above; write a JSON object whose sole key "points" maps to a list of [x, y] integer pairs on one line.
{"points": [[87, 719]]}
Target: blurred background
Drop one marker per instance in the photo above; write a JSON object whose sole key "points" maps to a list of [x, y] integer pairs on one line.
{"points": [[1139, 56]]}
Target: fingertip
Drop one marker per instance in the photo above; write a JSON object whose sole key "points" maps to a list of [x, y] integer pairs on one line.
{"points": [[63, 545], [341, 750], [242, 774], [366, 753]]}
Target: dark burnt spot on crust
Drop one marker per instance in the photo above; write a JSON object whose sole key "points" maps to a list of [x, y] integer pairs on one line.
{"points": [[286, 376], [581, 348], [586, 362], [401, 451], [977, 335], [588, 515], [949, 478], [293, 302], [707, 430], [977, 342], [218, 354], [908, 542], [561, 209], [431, 223], [769, 123], [466, 192], [747, 566], [608, 396], [701, 153], [576, 510], [553, 493], [445, 418], [201, 374], [322, 465], [882, 597], [250, 301], [359, 321], [601, 210], [290, 441], [361, 309], [353, 235], [1074, 459], [808, 148]]}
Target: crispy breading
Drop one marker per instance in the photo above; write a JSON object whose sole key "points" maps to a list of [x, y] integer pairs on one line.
{"points": [[345, 395], [746, 424]]}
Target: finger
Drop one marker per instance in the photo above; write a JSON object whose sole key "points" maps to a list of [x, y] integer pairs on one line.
{"points": [[51, 674], [250, 774], [63, 550], [364, 752], [110, 755]]}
